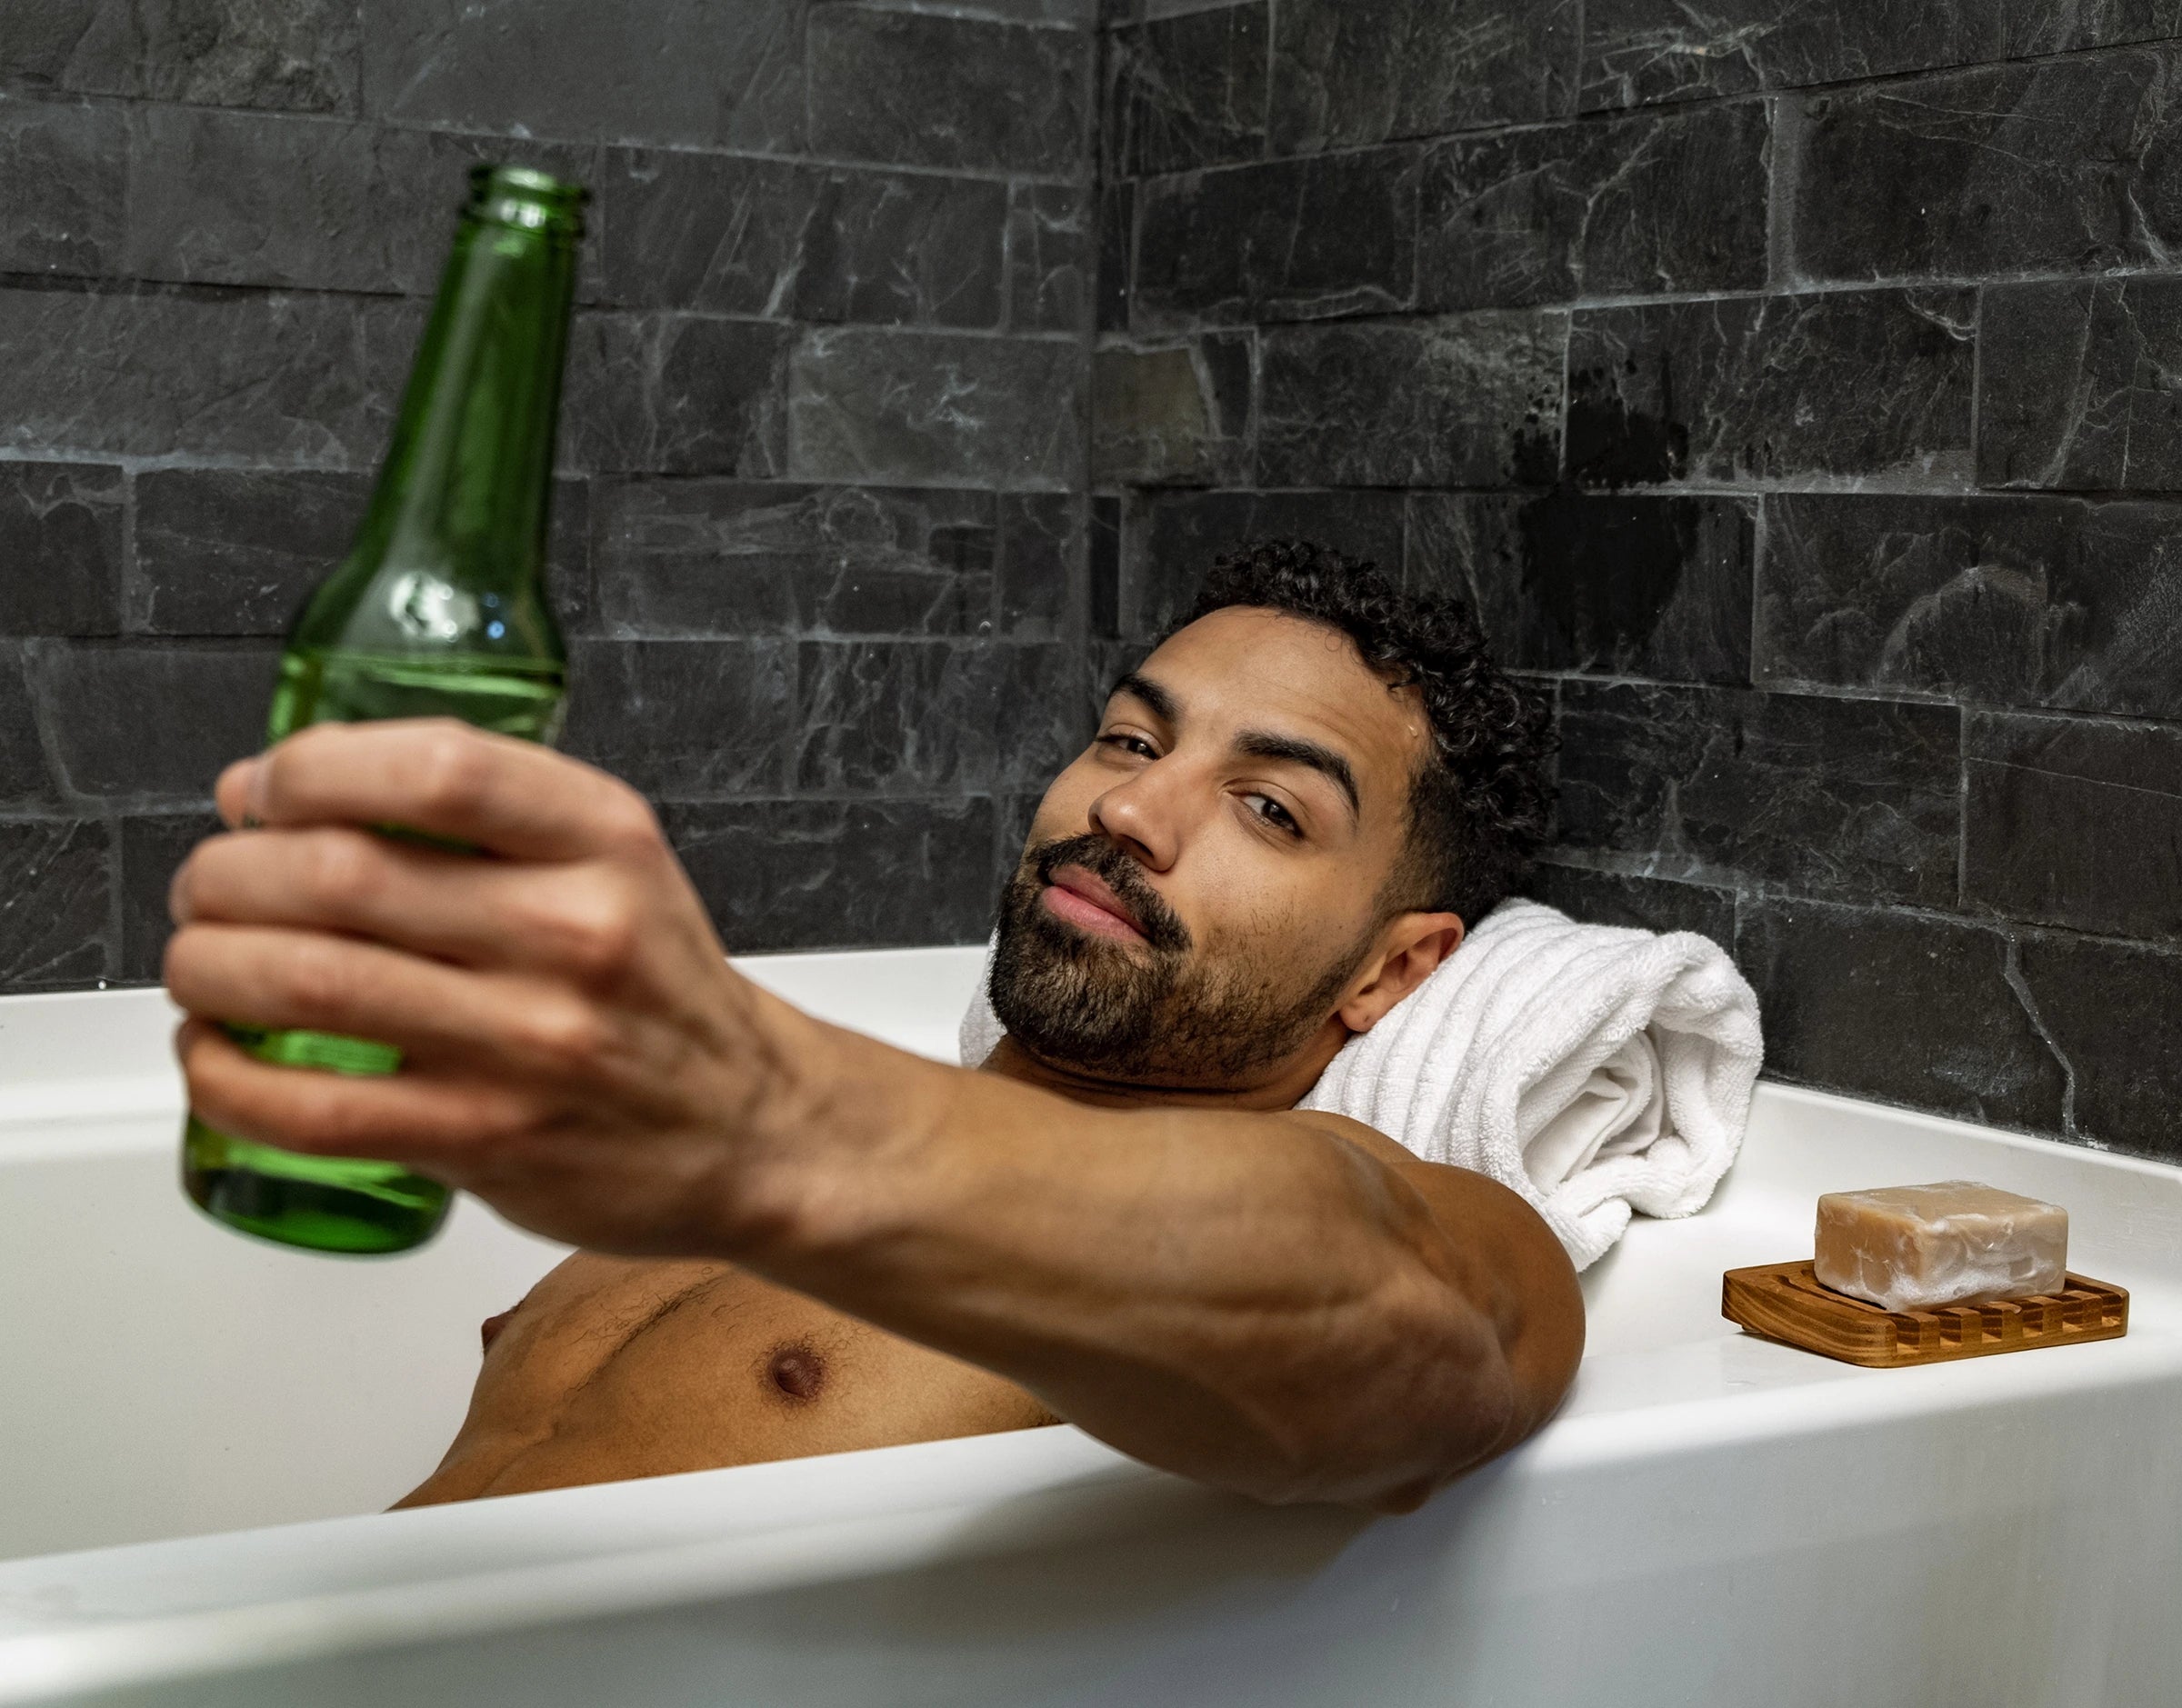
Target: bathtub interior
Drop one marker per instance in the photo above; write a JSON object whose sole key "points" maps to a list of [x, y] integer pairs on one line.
{"points": [[170, 1379]]}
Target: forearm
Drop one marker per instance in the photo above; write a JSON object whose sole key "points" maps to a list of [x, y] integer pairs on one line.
{"points": [[1247, 1300]]}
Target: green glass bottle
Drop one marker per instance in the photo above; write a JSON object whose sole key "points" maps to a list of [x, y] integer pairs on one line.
{"points": [[439, 610]]}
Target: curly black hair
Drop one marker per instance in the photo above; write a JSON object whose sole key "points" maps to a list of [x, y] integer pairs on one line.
{"points": [[1480, 807]]}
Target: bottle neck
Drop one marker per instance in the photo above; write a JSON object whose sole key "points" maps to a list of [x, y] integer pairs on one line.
{"points": [[466, 486]]}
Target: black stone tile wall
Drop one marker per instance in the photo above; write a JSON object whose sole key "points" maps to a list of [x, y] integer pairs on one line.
{"points": [[1788, 383], [819, 532], [1790, 386]]}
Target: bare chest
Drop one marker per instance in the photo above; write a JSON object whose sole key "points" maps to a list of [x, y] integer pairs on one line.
{"points": [[616, 1369]]}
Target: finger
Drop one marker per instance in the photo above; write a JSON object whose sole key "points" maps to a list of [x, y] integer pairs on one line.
{"points": [[446, 780], [420, 1120], [501, 1023], [231, 794], [576, 919]]}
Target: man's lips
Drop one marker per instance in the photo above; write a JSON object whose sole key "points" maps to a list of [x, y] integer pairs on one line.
{"points": [[1084, 900]]}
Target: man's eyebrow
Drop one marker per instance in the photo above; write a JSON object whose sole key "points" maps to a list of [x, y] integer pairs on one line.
{"points": [[1256, 743], [1157, 700], [1295, 750]]}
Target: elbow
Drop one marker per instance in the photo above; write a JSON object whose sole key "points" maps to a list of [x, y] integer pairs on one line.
{"points": [[1487, 1376], [1435, 1393]]}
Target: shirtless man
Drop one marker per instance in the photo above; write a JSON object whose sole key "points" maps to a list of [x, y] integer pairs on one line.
{"points": [[797, 1240]]}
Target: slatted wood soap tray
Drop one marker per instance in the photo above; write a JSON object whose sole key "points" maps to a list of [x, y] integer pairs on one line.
{"points": [[1784, 1302]]}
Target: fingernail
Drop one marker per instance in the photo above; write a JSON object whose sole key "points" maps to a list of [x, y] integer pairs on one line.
{"points": [[254, 795]]}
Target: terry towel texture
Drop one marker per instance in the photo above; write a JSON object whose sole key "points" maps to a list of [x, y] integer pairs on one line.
{"points": [[1597, 1070]]}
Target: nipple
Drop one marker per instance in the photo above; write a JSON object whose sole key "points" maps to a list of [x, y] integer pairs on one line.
{"points": [[796, 1370], [489, 1330]]}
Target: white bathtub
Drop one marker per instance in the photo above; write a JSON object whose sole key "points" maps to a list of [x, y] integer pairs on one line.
{"points": [[1713, 1519]]}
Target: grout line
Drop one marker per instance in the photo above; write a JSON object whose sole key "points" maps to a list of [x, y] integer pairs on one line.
{"points": [[1962, 806], [1977, 383]]}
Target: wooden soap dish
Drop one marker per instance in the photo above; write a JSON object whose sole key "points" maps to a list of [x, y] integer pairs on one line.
{"points": [[1784, 1302]]}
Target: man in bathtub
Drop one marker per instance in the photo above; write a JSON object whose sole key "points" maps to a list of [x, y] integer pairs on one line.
{"points": [[799, 1241]]}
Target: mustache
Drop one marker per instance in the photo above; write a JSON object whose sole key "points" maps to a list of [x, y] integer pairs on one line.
{"points": [[1161, 925]]}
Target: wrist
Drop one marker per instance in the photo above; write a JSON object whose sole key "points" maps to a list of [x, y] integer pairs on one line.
{"points": [[836, 1130]]}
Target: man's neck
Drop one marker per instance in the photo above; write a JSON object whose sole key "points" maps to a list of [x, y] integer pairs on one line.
{"points": [[1281, 1086]]}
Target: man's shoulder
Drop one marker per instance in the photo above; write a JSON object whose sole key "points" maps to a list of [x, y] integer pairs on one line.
{"points": [[1367, 1139]]}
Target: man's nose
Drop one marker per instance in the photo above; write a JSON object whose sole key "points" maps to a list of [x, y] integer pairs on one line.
{"points": [[1145, 815]]}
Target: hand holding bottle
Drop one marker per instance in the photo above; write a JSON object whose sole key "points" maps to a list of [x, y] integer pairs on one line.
{"points": [[576, 1048]]}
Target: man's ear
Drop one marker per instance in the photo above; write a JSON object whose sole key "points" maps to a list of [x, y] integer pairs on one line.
{"points": [[1416, 944]]}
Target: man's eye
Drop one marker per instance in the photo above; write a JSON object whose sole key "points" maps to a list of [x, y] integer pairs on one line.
{"points": [[1133, 745], [1274, 814]]}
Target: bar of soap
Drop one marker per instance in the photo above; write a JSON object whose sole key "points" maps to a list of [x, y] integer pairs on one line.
{"points": [[1924, 1248]]}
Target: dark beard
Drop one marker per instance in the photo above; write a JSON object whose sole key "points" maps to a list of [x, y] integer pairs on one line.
{"points": [[1149, 1014]]}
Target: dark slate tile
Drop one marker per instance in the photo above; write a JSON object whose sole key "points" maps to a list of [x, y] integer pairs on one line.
{"points": [[55, 888], [1174, 417], [299, 55], [1041, 543], [1624, 586], [883, 717], [277, 379], [1614, 898], [1109, 662], [2106, 1013], [876, 407], [1904, 1008], [1660, 202], [674, 395], [1102, 564], [898, 250], [696, 557], [259, 198], [151, 849], [1046, 712], [1188, 91], [1013, 815], [1052, 257], [569, 587], [683, 720], [141, 725], [1286, 240], [1637, 51], [1082, 14], [1170, 540], [1852, 799], [1366, 71], [725, 73], [916, 89], [841, 874], [60, 548], [2068, 821], [733, 235], [26, 783], [2062, 165], [2012, 601], [1116, 256], [2076, 390], [1844, 383], [235, 552], [63, 186], [719, 234], [1474, 401]]}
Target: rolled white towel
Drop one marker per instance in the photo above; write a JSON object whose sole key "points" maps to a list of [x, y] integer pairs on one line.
{"points": [[1594, 1070]]}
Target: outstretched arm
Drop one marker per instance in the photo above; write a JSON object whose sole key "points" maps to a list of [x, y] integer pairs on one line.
{"points": [[1288, 1304]]}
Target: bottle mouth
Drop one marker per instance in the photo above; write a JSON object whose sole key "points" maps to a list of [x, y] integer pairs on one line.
{"points": [[526, 198]]}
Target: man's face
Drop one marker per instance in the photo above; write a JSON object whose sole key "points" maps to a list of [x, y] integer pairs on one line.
{"points": [[1202, 886]]}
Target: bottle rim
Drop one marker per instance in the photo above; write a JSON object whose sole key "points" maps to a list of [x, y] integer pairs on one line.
{"points": [[525, 196]]}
